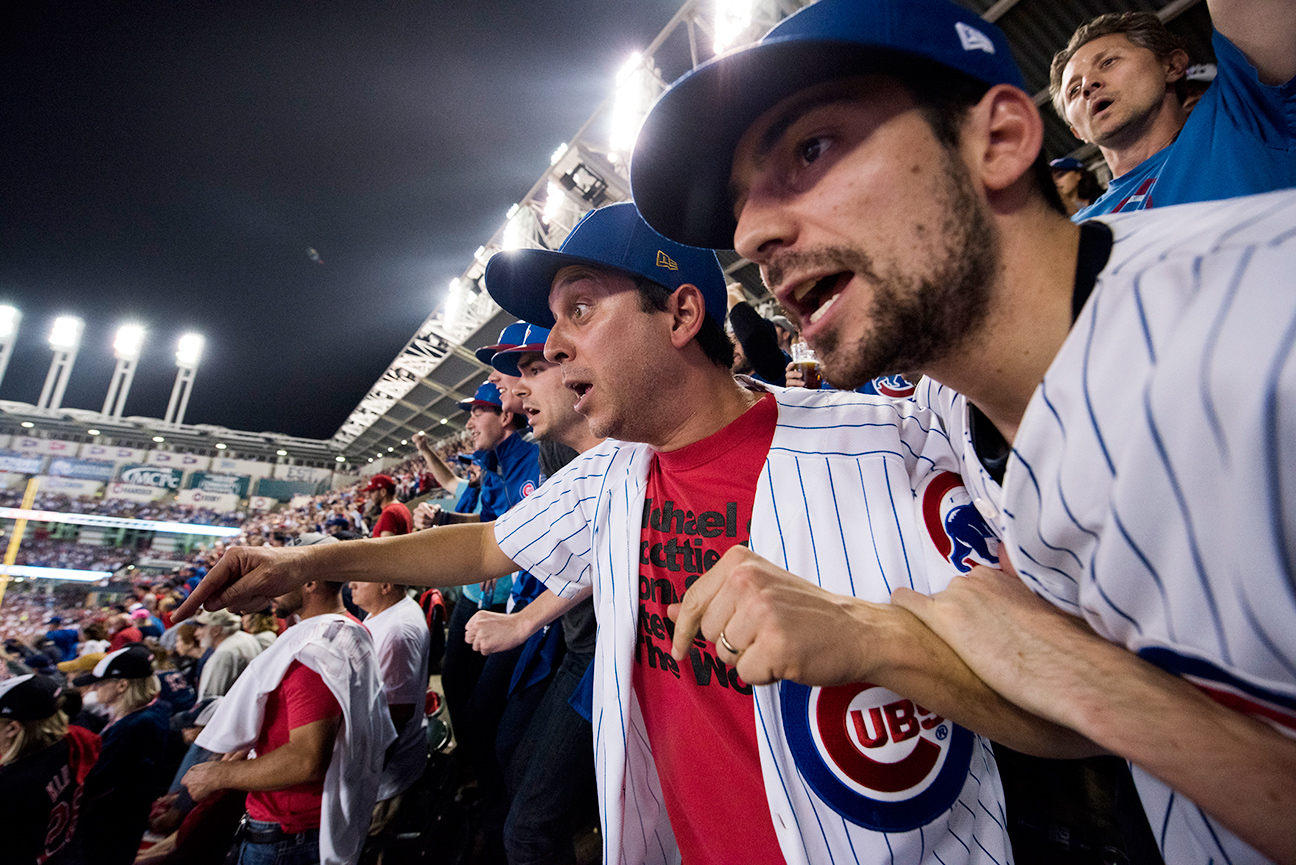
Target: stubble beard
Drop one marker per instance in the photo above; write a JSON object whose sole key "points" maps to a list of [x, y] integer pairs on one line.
{"points": [[914, 320]]}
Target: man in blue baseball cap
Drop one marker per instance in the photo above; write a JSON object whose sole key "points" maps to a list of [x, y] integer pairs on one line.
{"points": [[509, 338], [881, 163], [702, 466]]}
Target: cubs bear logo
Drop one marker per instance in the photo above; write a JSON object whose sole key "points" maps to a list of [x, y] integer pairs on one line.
{"points": [[893, 386], [955, 525], [879, 760]]}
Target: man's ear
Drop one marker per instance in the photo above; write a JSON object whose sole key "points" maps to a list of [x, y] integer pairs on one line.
{"points": [[1002, 137], [688, 310], [1176, 65]]}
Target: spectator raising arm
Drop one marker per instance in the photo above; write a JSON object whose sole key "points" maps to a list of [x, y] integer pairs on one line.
{"points": [[1263, 30], [437, 466]]}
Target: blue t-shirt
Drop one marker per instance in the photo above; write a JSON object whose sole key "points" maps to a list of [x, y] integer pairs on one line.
{"points": [[66, 640], [1239, 140]]}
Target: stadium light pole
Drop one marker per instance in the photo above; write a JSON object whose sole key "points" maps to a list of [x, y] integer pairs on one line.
{"points": [[10, 317], [65, 339], [188, 353], [126, 347]]}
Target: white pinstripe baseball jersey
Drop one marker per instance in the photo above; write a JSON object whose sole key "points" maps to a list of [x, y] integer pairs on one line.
{"points": [[857, 495], [1150, 487]]}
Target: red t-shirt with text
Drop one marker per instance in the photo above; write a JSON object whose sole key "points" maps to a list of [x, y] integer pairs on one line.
{"points": [[699, 714], [301, 698]]}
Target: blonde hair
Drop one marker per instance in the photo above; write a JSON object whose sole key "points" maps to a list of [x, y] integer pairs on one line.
{"points": [[33, 736], [138, 694]]}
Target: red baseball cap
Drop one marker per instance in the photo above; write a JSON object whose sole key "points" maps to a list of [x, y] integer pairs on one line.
{"points": [[379, 481]]}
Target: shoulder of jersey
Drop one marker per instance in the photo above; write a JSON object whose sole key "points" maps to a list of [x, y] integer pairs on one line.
{"points": [[1188, 231], [845, 422]]}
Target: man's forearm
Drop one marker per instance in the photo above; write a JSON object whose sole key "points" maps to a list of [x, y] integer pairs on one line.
{"points": [[920, 666], [1237, 769], [448, 556]]}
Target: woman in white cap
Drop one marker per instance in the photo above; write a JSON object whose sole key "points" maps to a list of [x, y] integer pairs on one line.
{"points": [[43, 765], [128, 776]]}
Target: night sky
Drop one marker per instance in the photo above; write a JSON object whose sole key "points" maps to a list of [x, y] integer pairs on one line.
{"points": [[171, 164]]}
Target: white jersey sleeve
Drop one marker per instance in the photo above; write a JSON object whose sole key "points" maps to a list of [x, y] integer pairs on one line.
{"points": [[1153, 480], [550, 532]]}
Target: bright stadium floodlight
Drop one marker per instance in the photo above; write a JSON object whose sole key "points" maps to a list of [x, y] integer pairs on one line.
{"points": [[10, 317], [555, 198], [636, 88], [189, 349], [514, 228], [732, 18], [456, 304], [64, 339], [188, 352], [558, 154], [126, 348]]}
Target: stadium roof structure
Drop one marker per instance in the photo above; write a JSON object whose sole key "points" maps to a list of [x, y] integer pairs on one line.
{"points": [[437, 368]]}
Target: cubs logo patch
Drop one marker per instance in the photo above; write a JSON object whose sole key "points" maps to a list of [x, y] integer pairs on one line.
{"points": [[895, 386], [528, 488], [877, 759], [955, 525]]}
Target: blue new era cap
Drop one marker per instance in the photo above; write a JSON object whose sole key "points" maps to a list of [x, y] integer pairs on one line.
{"points": [[506, 360], [1067, 163], [487, 394], [679, 173], [614, 236], [508, 338]]}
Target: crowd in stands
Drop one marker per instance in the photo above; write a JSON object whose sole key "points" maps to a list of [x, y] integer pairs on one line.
{"points": [[730, 556]]}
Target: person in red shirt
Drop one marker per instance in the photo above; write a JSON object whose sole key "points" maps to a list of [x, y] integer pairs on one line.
{"points": [[124, 633], [395, 518], [285, 781]]}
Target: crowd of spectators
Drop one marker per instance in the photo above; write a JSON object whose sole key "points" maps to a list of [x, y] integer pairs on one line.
{"points": [[333, 709]]}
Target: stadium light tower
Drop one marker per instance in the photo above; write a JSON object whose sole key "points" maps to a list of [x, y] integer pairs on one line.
{"points": [[188, 353], [9, 320], [126, 348], [65, 339]]}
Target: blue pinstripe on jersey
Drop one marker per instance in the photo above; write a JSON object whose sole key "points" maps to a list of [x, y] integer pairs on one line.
{"points": [[1175, 379]]}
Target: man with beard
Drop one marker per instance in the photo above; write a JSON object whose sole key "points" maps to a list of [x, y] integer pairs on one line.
{"points": [[1121, 84], [705, 465], [1125, 424], [391, 515]]}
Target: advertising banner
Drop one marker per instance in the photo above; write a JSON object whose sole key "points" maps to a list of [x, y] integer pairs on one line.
{"points": [[222, 502], [262, 503], [236, 485], [252, 468], [33, 445], [27, 464], [185, 462], [151, 476], [69, 486], [134, 492], [285, 490], [10, 480], [286, 472], [110, 452], [94, 470]]}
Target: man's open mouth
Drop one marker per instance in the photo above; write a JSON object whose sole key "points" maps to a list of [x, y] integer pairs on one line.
{"points": [[813, 298]]}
